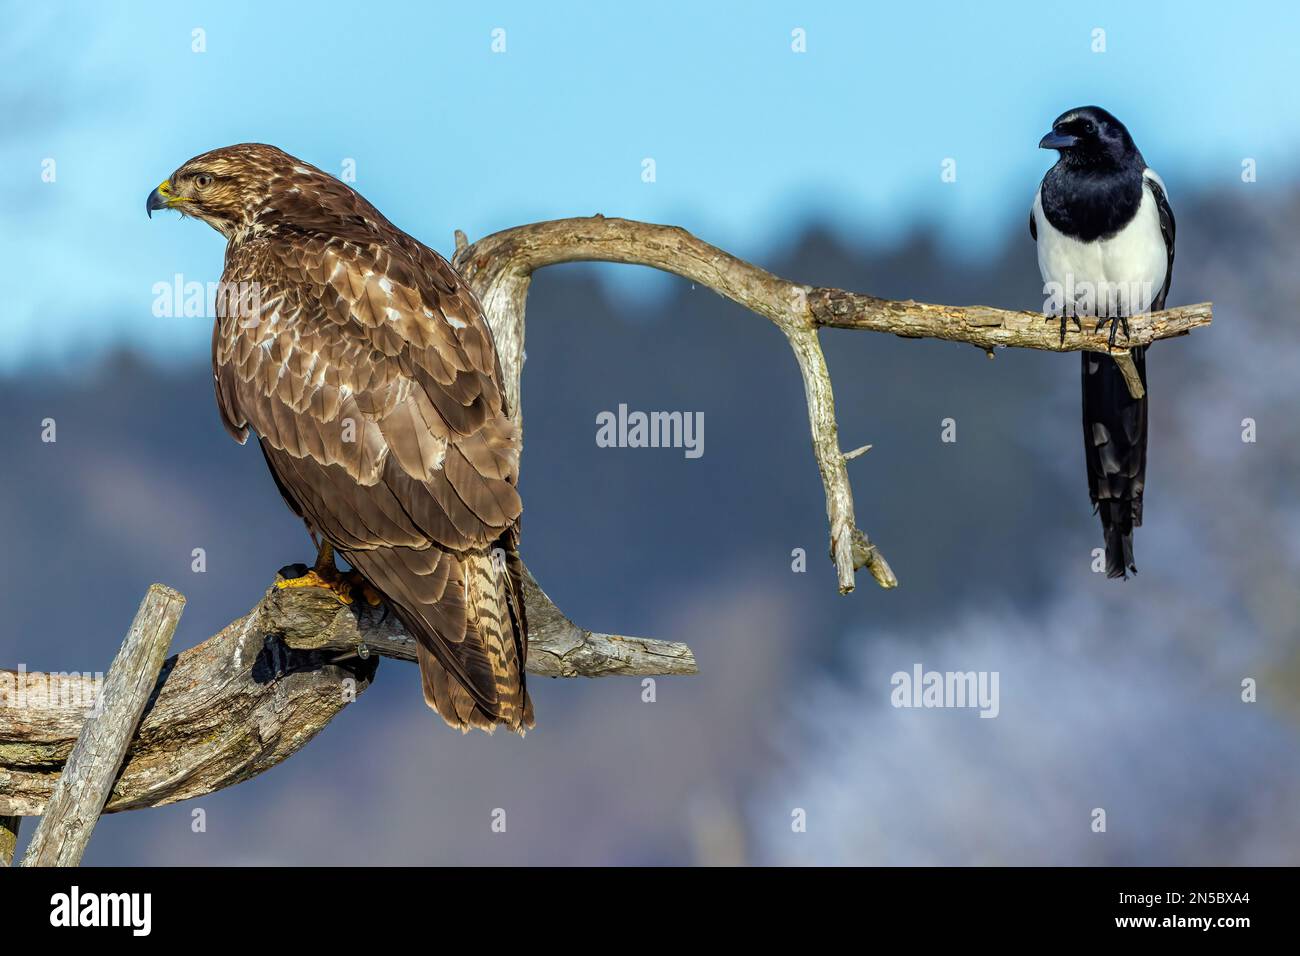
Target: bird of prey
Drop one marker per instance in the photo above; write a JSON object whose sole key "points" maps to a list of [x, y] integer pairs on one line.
{"points": [[1105, 237], [367, 370]]}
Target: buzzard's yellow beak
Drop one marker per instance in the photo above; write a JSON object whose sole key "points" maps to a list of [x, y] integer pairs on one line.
{"points": [[160, 198]]}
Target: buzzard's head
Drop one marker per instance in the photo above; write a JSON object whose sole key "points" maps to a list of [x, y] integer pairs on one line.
{"points": [[228, 188]]}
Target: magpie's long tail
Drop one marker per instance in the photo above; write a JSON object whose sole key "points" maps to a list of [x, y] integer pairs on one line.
{"points": [[1115, 448]]}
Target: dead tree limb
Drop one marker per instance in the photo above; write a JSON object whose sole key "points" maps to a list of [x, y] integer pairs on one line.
{"points": [[87, 777], [500, 267], [8, 838], [251, 695], [310, 619]]}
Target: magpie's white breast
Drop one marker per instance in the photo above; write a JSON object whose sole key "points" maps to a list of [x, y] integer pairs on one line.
{"points": [[1119, 274]]}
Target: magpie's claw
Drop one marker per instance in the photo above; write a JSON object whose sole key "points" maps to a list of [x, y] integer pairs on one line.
{"points": [[1064, 319], [1115, 324]]}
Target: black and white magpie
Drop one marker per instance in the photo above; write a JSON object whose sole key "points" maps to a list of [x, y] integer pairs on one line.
{"points": [[1105, 237]]}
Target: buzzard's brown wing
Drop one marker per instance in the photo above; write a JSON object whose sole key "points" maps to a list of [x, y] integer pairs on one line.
{"points": [[367, 370]]}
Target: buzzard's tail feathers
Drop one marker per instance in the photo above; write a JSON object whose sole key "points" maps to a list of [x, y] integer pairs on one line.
{"points": [[448, 699], [489, 626], [470, 643]]}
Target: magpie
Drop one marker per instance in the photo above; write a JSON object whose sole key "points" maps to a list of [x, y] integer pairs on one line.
{"points": [[1105, 237]]}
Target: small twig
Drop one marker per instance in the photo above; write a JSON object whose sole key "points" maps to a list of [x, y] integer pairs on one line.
{"points": [[1131, 377], [87, 778], [866, 555], [856, 453]]}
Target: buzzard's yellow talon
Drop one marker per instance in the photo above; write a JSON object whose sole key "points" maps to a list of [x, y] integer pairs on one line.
{"points": [[341, 588], [309, 580]]}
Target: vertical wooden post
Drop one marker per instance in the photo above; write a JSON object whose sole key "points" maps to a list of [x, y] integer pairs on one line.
{"points": [[96, 758]]}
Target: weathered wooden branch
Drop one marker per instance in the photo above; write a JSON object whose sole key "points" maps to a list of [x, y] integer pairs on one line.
{"points": [[8, 838], [990, 328], [253, 694], [500, 267], [310, 619], [87, 777], [1132, 378]]}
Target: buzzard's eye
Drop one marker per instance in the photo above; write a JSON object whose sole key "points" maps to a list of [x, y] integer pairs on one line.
{"points": [[203, 180]]}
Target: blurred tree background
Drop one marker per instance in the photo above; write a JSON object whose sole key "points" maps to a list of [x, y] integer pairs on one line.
{"points": [[822, 165]]}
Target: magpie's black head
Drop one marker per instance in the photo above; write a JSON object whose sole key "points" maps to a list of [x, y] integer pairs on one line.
{"points": [[1090, 137]]}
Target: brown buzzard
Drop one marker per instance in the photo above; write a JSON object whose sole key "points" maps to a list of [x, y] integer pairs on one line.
{"points": [[365, 366]]}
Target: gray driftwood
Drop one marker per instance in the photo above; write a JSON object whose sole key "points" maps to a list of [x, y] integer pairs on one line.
{"points": [[253, 694], [87, 777]]}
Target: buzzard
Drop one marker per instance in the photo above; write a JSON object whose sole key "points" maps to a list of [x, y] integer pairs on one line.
{"points": [[367, 370]]}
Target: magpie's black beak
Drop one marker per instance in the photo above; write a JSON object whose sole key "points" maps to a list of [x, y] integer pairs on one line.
{"points": [[157, 200], [1055, 140]]}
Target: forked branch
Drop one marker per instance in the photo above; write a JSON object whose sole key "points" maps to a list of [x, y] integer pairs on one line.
{"points": [[253, 694], [500, 266]]}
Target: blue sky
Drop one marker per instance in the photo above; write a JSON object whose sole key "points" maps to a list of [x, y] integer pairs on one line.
{"points": [[750, 139]]}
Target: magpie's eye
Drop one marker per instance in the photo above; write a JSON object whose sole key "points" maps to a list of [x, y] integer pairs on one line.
{"points": [[203, 180]]}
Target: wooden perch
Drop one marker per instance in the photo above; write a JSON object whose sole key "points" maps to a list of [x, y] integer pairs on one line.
{"points": [[990, 328], [311, 619], [251, 695], [500, 266], [87, 777]]}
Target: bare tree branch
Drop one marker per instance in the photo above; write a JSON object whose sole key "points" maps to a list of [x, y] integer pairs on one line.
{"points": [[87, 777], [990, 328], [499, 268], [251, 695], [311, 619]]}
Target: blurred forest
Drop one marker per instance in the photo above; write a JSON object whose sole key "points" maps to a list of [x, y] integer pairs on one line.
{"points": [[1118, 695]]}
